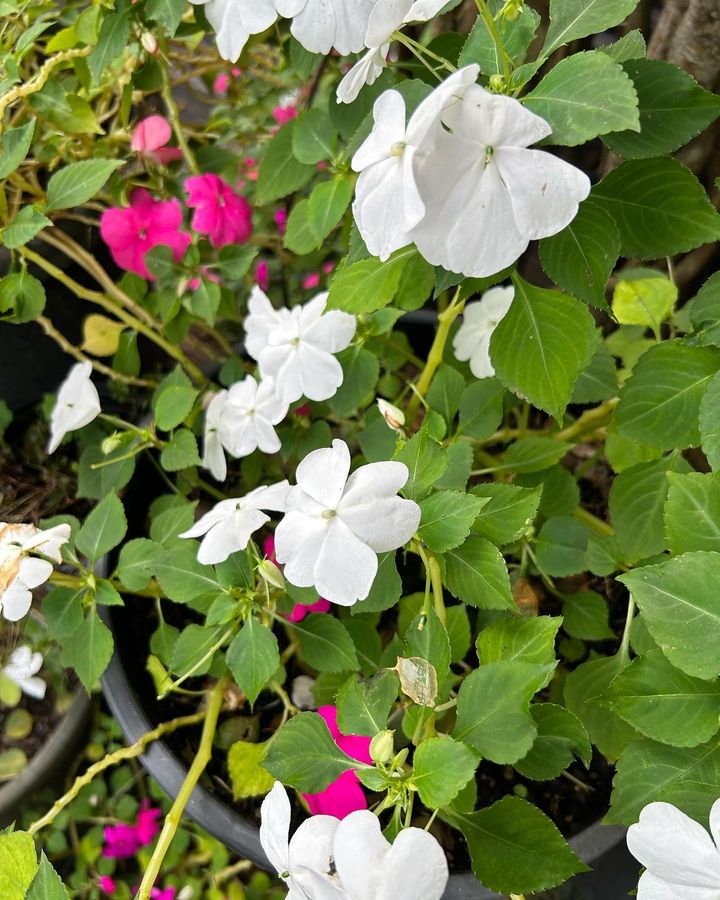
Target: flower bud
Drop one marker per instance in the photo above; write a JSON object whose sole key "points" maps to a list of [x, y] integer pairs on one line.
{"points": [[270, 573], [394, 417], [147, 39], [382, 747], [496, 84], [111, 443], [513, 10]]}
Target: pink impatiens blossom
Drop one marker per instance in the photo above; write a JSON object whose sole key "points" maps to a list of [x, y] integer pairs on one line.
{"points": [[147, 825], [150, 138], [160, 894], [311, 281], [107, 884], [284, 114], [344, 795], [300, 610], [224, 216], [262, 275], [281, 218], [123, 841], [221, 83], [133, 231]]}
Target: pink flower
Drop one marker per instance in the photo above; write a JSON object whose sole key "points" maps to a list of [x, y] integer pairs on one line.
{"points": [[284, 114], [221, 84], [121, 841], [281, 218], [194, 283], [150, 137], [131, 232], [235, 72], [167, 894], [147, 825], [262, 275], [300, 610], [224, 216], [107, 884], [328, 267], [303, 410], [311, 281], [344, 795]]}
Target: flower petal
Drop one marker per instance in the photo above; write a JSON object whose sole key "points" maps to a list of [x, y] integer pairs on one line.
{"points": [[414, 867], [324, 473], [298, 539], [360, 851], [383, 524], [230, 536], [345, 567], [275, 827]]}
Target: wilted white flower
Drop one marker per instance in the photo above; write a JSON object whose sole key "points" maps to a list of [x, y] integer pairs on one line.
{"points": [[335, 526], [229, 524], [480, 319], [23, 668], [681, 859], [19, 571], [249, 415], [368, 867], [77, 404], [320, 25], [298, 350], [213, 451], [302, 694], [304, 861]]}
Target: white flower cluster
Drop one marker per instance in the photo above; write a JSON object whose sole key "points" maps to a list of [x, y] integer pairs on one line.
{"points": [[349, 859], [334, 525], [459, 181], [294, 350], [23, 670]]}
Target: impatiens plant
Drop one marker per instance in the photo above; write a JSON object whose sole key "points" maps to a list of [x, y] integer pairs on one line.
{"points": [[396, 405]]}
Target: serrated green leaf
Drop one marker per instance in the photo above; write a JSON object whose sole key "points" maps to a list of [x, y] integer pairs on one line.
{"points": [[534, 454], [247, 776], [561, 737], [88, 650], [63, 611], [180, 452], [18, 864], [427, 638], [445, 392], [509, 514], [447, 517], [47, 884], [15, 145], [363, 705], [361, 370], [22, 293], [103, 529], [516, 639], [280, 173], [476, 573], [709, 422], [23, 228], [112, 41], [79, 182], [692, 512], [481, 408], [574, 19], [585, 616], [325, 644], [137, 562], [441, 769], [314, 138], [426, 461], [369, 284], [516, 36], [560, 546], [327, 205], [253, 658]]}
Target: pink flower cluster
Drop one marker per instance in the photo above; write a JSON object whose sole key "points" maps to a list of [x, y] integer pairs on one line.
{"points": [[345, 794], [123, 841], [300, 610]]}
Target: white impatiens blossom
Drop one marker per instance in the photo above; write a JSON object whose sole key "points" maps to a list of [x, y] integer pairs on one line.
{"points": [[321, 25], [368, 867], [20, 571], [23, 668], [230, 524], [388, 198], [213, 450], [296, 347], [249, 416], [77, 404], [304, 861], [681, 859], [335, 526], [235, 20], [472, 340]]}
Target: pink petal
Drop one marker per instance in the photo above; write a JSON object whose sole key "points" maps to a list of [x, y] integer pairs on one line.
{"points": [[356, 746], [339, 799], [311, 281], [151, 134], [284, 114], [147, 825]]}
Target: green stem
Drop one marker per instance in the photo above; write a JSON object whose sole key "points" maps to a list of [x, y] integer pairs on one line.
{"points": [[210, 653], [492, 28], [61, 579], [590, 420], [174, 115], [110, 760], [597, 525], [172, 820], [624, 652]]}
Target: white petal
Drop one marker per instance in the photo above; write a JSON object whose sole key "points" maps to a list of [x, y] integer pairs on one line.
{"points": [[16, 601], [545, 191], [77, 404], [423, 10], [214, 456], [386, 17], [34, 572], [345, 567], [269, 496], [265, 436], [414, 867], [320, 373], [425, 123], [298, 542], [332, 333], [221, 511], [715, 822], [366, 70], [230, 536], [261, 320], [381, 479], [240, 439], [360, 851], [653, 888], [323, 473], [311, 845], [494, 120], [674, 847], [34, 687], [275, 827], [388, 129], [268, 404], [383, 524]]}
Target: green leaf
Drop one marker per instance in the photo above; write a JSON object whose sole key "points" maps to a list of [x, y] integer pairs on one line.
{"points": [[182, 577], [18, 864], [194, 649], [630, 46], [299, 236], [247, 776], [23, 228], [113, 39], [514, 639], [427, 638], [386, 589], [325, 644], [534, 454], [168, 12], [560, 547], [509, 513], [111, 476], [460, 461], [103, 529], [574, 19], [516, 36], [63, 611], [476, 573], [173, 399], [79, 182], [583, 96], [584, 691], [88, 650], [441, 769], [681, 608], [304, 755], [644, 301], [445, 392], [581, 257], [314, 138], [692, 512], [15, 145], [426, 461], [327, 205], [561, 737], [585, 616], [47, 884], [175, 517], [253, 658], [557, 334], [493, 709], [651, 771], [599, 381], [447, 517], [673, 110], [24, 295], [660, 402], [363, 705], [68, 112], [280, 173], [481, 408], [709, 422], [664, 703], [137, 562], [659, 207], [361, 370], [637, 499], [416, 286], [369, 284], [180, 452]]}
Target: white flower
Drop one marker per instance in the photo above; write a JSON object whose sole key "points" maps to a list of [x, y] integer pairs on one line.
{"points": [[23, 668], [19, 572], [472, 340], [388, 198], [335, 526], [303, 861], [299, 350], [213, 452], [249, 415], [262, 318], [369, 868], [235, 20], [366, 70], [681, 859], [230, 523], [320, 25], [77, 404], [486, 194]]}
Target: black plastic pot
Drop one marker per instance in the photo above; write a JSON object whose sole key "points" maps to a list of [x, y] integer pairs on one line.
{"points": [[601, 846]]}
